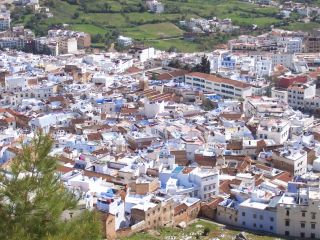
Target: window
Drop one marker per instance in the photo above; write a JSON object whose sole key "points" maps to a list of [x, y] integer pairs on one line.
{"points": [[303, 225], [287, 233], [313, 225], [243, 223], [254, 225], [254, 215], [271, 228], [287, 222], [261, 217], [303, 214], [312, 235], [243, 214], [271, 219], [302, 234], [287, 212], [313, 215], [261, 226]]}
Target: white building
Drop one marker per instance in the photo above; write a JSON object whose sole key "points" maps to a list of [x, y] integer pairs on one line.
{"points": [[155, 6], [298, 214], [298, 93], [293, 45], [224, 87], [290, 159], [284, 59], [5, 20], [124, 41], [152, 109], [275, 129], [194, 182], [145, 54], [16, 82], [263, 67], [280, 94], [67, 45]]}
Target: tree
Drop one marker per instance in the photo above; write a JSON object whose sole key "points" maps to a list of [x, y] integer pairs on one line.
{"points": [[32, 199], [154, 76], [75, 15], [97, 38], [204, 66], [206, 231]]}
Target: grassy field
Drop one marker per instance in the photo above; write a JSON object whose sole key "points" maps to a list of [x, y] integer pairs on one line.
{"points": [[154, 31], [88, 28], [182, 45], [130, 18], [302, 26], [216, 231]]}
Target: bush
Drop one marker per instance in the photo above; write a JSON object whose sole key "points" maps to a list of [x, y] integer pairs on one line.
{"points": [[206, 231]]}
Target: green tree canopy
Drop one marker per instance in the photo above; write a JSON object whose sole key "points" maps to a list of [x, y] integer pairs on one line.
{"points": [[32, 199], [204, 66]]}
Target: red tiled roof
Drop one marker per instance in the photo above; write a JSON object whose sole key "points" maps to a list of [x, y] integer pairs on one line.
{"points": [[94, 137], [179, 72], [180, 208], [132, 70], [63, 169], [214, 201], [284, 176], [225, 187], [263, 167], [164, 76]]}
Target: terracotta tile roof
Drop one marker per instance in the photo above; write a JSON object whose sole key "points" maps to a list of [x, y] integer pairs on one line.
{"points": [[164, 76], [179, 72], [231, 116], [234, 145], [214, 202], [56, 99], [65, 159], [10, 119], [284, 176], [100, 151], [94, 137], [170, 75], [235, 182], [129, 110], [132, 70], [224, 187], [263, 167], [63, 169], [180, 209], [217, 79]]}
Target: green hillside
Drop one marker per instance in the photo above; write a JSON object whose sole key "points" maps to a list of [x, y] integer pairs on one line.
{"points": [[106, 19]]}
